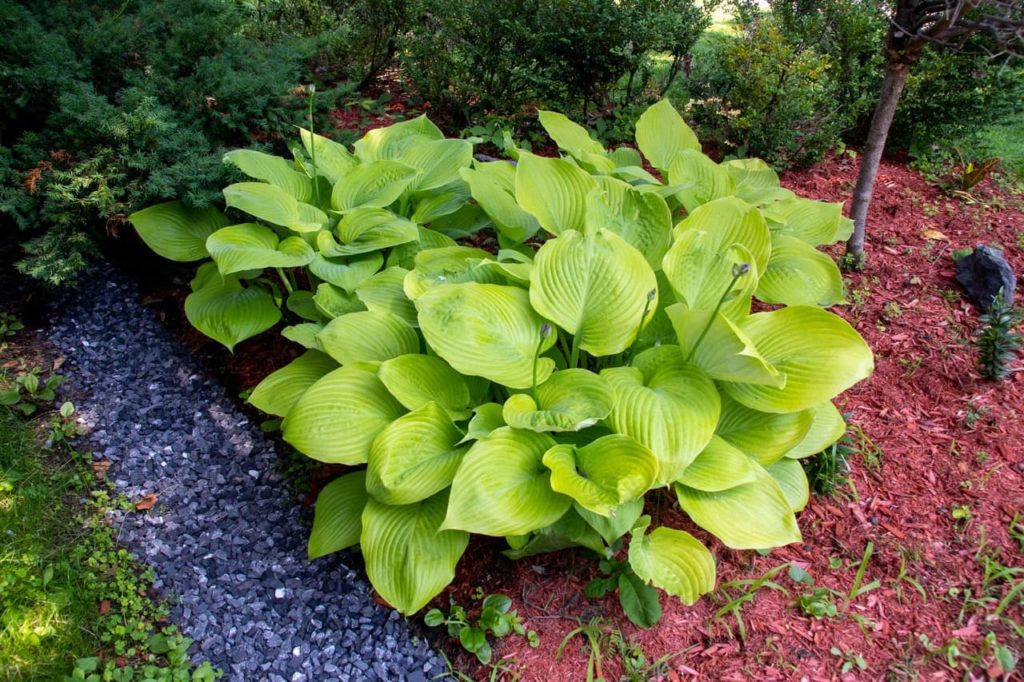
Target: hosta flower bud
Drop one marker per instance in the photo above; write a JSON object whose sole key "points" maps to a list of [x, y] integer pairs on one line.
{"points": [[740, 269]]}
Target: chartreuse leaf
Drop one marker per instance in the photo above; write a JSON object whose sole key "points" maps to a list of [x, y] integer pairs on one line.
{"points": [[755, 515], [447, 265], [414, 456], [486, 419], [828, 427], [416, 380], [701, 180], [668, 405], [819, 353], [554, 191], [813, 222], [503, 488], [302, 304], [617, 523], [275, 206], [600, 476], [701, 271], [673, 560], [594, 286], [642, 219], [719, 466], [177, 232], [661, 134], [391, 142], [791, 478], [568, 135], [272, 169], [570, 400], [337, 521], [250, 246], [347, 273], [799, 274], [367, 336], [333, 161], [486, 330], [303, 334], [496, 196], [383, 293], [367, 229], [434, 205], [404, 255], [726, 353], [755, 181], [229, 313], [746, 429], [438, 162], [338, 417], [569, 531], [730, 221], [280, 390], [333, 302], [408, 560], [372, 185]]}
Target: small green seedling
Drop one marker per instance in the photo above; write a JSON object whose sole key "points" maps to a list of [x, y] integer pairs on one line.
{"points": [[638, 599], [29, 392], [851, 660], [495, 618]]}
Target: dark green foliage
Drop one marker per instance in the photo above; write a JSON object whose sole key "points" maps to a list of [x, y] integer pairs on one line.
{"points": [[495, 617], [998, 341], [640, 602], [827, 471]]}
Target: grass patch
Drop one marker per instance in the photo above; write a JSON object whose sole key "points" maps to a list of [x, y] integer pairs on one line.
{"points": [[73, 603]]}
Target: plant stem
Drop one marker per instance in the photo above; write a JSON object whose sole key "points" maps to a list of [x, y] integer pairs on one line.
{"points": [[312, 145], [284, 280], [574, 355], [640, 327], [736, 274]]}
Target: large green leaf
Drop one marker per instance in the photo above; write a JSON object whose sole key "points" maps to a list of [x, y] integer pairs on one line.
{"points": [[720, 466], [367, 229], [828, 427], [347, 273], [755, 515], [569, 531], [372, 185], [408, 560], [731, 221], [667, 405], [416, 380], [790, 476], [673, 560], [554, 191], [661, 134], [275, 206], [799, 274], [699, 178], [392, 141], [176, 231], [702, 273], [499, 203], [338, 417], [568, 135], [765, 436], [724, 352], [486, 330], [819, 353], [414, 457], [486, 419], [250, 246], [337, 521], [331, 302], [755, 181], [448, 265], [333, 161], [438, 162], [570, 400], [367, 336], [617, 523], [813, 222], [643, 219], [280, 390], [272, 169], [383, 293], [503, 488], [404, 255], [594, 286], [604, 474], [229, 313]]}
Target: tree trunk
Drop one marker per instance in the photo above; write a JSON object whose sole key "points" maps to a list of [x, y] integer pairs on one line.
{"points": [[892, 87]]}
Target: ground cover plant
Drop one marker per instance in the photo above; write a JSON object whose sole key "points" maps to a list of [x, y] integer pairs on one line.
{"points": [[538, 393]]}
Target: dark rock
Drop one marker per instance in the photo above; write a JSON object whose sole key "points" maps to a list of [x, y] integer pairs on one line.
{"points": [[983, 273]]}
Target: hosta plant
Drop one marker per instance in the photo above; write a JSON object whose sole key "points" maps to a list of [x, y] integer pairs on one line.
{"points": [[605, 349]]}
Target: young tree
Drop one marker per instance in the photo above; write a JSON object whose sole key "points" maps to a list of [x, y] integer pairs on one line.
{"points": [[994, 26]]}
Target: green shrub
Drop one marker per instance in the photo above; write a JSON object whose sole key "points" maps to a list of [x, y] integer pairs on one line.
{"points": [[538, 393]]}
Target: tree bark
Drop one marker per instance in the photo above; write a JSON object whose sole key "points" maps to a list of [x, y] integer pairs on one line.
{"points": [[892, 87]]}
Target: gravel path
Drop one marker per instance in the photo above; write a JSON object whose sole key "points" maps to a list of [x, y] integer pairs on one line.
{"points": [[225, 539]]}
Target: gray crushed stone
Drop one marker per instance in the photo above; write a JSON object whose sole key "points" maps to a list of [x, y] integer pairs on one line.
{"points": [[226, 541]]}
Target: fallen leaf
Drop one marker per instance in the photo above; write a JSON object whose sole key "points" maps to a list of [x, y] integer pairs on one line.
{"points": [[146, 503], [100, 469], [934, 234], [104, 607], [58, 363]]}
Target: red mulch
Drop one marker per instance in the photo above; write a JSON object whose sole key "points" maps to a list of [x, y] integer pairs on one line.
{"points": [[947, 438]]}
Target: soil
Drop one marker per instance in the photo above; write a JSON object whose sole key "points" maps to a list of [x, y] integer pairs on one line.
{"points": [[932, 436]]}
